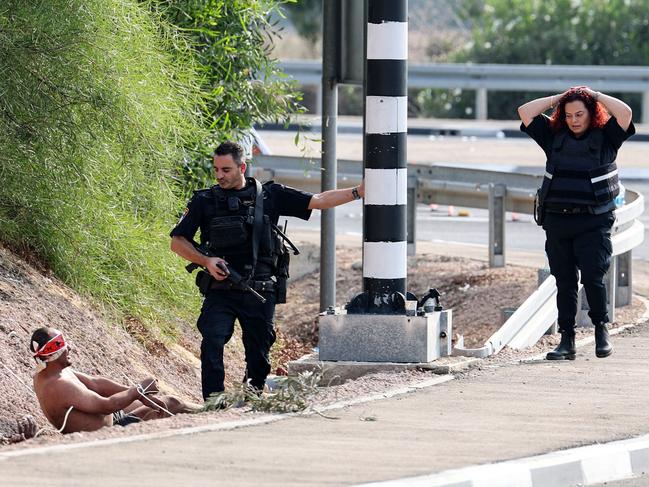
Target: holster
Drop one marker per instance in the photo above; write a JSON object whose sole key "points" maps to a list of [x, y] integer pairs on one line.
{"points": [[203, 281]]}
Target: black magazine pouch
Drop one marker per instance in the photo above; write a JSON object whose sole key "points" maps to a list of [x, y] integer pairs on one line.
{"points": [[227, 232], [283, 262]]}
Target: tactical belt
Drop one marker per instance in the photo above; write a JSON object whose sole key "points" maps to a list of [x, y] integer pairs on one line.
{"points": [[259, 286], [568, 209]]}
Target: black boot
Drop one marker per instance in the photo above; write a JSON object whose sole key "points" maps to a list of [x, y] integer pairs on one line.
{"points": [[603, 347], [566, 349]]}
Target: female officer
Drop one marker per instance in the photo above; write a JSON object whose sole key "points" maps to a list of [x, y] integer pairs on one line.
{"points": [[580, 140]]}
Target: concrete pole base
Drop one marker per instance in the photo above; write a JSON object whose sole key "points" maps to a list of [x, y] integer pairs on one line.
{"points": [[385, 338]]}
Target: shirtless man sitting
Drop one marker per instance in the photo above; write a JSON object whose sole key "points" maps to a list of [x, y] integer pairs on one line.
{"points": [[73, 401]]}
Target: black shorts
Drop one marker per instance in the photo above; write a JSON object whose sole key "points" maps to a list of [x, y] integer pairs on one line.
{"points": [[120, 418]]}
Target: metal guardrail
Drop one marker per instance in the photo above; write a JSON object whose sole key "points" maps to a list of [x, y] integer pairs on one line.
{"points": [[497, 191], [510, 77], [448, 185]]}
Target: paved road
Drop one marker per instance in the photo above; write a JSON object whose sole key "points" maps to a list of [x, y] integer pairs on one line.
{"points": [[445, 149], [489, 415]]}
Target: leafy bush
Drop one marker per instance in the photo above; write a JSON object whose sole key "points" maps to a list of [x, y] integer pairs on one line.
{"points": [[291, 394], [584, 32], [94, 116], [241, 83]]}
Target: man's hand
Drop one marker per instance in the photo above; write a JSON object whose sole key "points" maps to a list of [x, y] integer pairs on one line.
{"points": [[211, 264], [148, 386]]}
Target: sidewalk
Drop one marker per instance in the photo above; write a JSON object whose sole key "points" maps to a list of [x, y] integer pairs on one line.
{"points": [[490, 414]]}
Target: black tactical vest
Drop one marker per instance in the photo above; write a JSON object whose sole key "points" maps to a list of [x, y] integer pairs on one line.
{"points": [[575, 175], [231, 232]]}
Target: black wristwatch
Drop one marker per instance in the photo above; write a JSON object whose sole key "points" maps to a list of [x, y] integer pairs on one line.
{"points": [[355, 193]]}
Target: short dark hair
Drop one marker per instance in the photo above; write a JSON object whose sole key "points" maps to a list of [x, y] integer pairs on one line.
{"points": [[232, 148], [41, 337]]}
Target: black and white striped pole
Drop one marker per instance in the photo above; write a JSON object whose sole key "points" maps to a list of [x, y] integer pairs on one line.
{"points": [[385, 323], [385, 170]]}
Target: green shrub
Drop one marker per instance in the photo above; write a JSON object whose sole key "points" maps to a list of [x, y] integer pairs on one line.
{"points": [[240, 81], [554, 32], [94, 116]]}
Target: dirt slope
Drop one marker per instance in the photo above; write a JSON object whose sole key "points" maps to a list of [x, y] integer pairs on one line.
{"points": [[30, 299]]}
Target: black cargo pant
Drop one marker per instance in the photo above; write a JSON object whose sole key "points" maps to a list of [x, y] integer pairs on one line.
{"points": [[216, 324], [583, 242]]}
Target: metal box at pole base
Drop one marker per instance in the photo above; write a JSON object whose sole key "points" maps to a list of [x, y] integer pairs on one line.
{"points": [[385, 338]]}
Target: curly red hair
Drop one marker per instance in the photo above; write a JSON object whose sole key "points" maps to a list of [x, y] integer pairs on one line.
{"points": [[598, 114]]}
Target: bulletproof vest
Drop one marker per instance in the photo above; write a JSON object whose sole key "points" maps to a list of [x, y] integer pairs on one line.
{"points": [[574, 173], [231, 232]]}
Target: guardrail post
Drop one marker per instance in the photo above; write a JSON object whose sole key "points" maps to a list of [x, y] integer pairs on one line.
{"points": [[481, 104], [582, 318], [411, 223], [497, 193], [624, 288]]}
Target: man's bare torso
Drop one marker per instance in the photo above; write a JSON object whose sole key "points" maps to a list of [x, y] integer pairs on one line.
{"points": [[55, 405]]}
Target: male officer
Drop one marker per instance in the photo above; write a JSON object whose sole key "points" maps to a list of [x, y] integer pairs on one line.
{"points": [[238, 226]]}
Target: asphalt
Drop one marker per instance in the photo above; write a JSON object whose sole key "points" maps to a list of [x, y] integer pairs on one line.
{"points": [[444, 432]]}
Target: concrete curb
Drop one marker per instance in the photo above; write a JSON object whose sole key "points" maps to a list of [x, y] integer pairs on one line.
{"points": [[335, 373], [578, 466]]}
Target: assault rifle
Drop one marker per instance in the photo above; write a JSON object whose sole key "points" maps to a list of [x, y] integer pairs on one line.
{"points": [[233, 276]]}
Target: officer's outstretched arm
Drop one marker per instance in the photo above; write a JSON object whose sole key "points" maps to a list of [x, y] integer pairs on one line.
{"points": [[186, 250], [335, 197]]}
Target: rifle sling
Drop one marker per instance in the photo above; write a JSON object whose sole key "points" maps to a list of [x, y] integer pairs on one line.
{"points": [[258, 224]]}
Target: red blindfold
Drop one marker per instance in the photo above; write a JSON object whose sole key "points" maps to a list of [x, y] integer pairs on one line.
{"points": [[52, 346]]}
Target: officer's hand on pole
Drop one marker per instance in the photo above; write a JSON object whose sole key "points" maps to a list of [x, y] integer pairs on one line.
{"points": [[361, 189], [216, 272]]}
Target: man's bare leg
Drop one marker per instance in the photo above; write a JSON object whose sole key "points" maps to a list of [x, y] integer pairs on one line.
{"points": [[172, 404]]}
